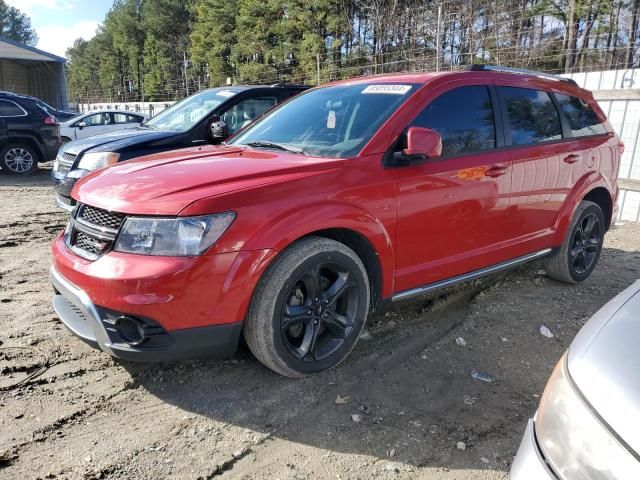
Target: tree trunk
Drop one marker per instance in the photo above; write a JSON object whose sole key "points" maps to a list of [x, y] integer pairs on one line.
{"points": [[633, 34], [570, 37]]}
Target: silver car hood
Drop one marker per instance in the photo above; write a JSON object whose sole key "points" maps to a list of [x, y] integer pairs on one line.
{"points": [[604, 363]]}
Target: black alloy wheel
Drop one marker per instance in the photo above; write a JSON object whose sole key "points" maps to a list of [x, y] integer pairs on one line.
{"points": [[586, 243], [309, 308], [319, 312]]}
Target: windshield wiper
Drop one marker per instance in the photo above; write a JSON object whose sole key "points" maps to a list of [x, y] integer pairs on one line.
{"points": [[277, 146]]}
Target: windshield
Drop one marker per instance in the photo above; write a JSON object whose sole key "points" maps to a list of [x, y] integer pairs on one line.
{"points": [[331, 122], [183, 115], [73, 119]]}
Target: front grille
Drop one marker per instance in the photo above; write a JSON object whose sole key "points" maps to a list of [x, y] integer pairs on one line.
{"points": [[93, 231], [63, 168], [65, 162], [90, 244], [68, 158], [100, 218]]}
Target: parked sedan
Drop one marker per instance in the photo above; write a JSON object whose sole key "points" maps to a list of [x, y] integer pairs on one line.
{"points": [[95, 123], [588, 424]]}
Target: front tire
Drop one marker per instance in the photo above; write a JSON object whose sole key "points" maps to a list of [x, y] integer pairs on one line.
{"points": [[309, 308], [581, 249], [18, 159]]}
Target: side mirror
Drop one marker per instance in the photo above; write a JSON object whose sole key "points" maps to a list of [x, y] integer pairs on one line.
{"points": [[218, 130], [421, 144], [81, 125]]}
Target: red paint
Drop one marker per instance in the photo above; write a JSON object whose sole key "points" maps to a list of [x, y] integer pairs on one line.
{"points": [[427, 221]]}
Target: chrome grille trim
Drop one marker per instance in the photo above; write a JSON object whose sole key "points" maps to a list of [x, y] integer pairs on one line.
{"points": [[93, 231]]}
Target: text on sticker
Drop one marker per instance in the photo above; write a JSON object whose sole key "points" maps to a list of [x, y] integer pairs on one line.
{"points": [[388, 89]]}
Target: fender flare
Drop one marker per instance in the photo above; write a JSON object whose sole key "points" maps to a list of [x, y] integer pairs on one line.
{"points": [[291, 225], [588, 182]]}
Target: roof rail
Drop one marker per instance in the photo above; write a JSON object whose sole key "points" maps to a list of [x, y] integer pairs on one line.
{"points": [[521, 71]]}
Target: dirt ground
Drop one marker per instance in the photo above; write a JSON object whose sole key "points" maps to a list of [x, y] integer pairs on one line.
{"points": [[409, 385]]}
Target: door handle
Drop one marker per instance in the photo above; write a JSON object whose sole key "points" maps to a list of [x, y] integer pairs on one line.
{"points": [[496, 171], [573, 158]]}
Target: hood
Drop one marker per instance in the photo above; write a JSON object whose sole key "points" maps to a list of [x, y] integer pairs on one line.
{"points": [[166, 183], [112, 141], [604, 361]]}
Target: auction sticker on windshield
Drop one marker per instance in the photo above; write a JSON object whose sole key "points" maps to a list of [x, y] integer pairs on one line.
{"points": [[393, 89], [226, 93]]}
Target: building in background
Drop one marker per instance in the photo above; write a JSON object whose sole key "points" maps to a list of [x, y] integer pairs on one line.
{"points": [[34, 72]]}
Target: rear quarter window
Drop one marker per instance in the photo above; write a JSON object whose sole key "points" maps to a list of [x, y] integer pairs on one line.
{"points": [[10, 109], [583, 120], [532, 115]]}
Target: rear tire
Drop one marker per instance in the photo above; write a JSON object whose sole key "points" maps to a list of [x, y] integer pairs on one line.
{"points": [[309, 308], [18, 159], [582, 246]]}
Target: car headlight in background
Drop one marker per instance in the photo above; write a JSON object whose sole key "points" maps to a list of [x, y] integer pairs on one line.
{"points": [[95, 160], [572, 438], [181, 236]]}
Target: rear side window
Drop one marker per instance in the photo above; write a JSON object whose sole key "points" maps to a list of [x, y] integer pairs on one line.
{"points": [[583, 121], [10, 109], [532, 115], [464, 119]]}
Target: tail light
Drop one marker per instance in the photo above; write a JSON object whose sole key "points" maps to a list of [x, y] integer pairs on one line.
{"points": [[49, 120]]}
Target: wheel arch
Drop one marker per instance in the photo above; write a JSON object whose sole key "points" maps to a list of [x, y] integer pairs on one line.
{"points": [[361, 245], [345, 223], [601, 197], [593, 187]]}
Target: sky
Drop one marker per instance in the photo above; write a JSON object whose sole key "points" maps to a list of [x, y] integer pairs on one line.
{"points": [[59, 22]]}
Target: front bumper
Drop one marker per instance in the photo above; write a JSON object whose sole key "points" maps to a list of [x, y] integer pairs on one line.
{"points": [[62, 186], [529, 463], [97, 327]]}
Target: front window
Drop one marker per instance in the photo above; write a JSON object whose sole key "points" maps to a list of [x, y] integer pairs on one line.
{"points": [[185, 114], [328, 122], [245, 112]]}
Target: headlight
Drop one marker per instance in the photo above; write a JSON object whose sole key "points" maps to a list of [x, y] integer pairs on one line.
{"points": [[573, 440], [172, 236], [93, 161]]}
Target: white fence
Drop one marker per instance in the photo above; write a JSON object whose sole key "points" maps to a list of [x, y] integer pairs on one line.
{"points": [[150, 108], [618, 93]]}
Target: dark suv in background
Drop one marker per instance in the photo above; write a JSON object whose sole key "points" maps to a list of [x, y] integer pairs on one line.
{"points": [[29, 134], [207, 117]]}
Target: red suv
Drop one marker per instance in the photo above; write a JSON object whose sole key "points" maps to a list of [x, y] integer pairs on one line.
{"points": [[342, 199]]}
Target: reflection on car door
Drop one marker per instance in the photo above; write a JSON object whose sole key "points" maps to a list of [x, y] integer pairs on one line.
{"points": [[452, 210], [544, 166]]}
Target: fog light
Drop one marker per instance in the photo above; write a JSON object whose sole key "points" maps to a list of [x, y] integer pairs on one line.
{"points": [[131, 330]]}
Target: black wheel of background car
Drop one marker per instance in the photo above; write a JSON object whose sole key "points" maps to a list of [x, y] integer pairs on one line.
{"points": [[18, 159], [309, 308], [580, 252]]}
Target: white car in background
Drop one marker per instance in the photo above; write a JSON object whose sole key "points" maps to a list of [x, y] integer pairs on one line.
{"points": [[588, 423], [95, 123]]}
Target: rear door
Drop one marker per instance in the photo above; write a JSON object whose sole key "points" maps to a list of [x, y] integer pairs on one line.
{"points": [[9, 110], [544, 166], [452, 210]]}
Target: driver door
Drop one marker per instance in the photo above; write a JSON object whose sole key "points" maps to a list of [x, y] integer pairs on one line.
{"points": [[453, 210]]}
